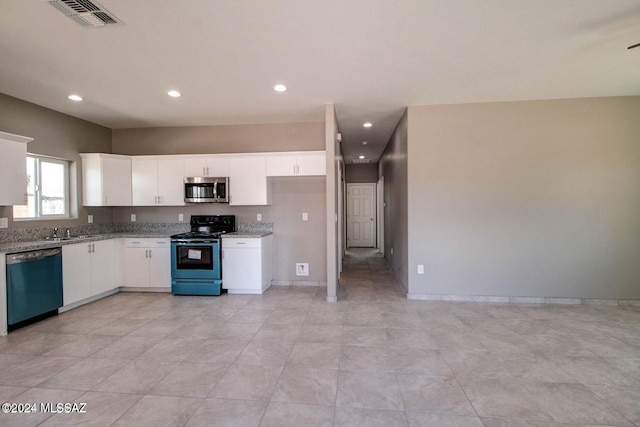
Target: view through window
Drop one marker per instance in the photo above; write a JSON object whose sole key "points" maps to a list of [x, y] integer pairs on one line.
{"points": [[47, 193]]}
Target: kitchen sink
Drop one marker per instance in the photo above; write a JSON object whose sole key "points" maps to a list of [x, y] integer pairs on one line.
{"points": [[71, 238]]}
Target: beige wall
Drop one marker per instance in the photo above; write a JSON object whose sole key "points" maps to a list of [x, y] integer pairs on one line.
{"points": [[393, 167], [58, 135], [361, 173], [530, 199], [220, 139]]}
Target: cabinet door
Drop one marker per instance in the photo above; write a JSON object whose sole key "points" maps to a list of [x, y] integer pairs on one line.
{"points": [[13, 169], [76, 272], [144, 182], [281, 165], [102, 266], [217, 166], [312, 164], [242, 266], [92, 186], [195, 166], [116, 181], [160, 267], [171, 182], [136, 267], [248, 181]]}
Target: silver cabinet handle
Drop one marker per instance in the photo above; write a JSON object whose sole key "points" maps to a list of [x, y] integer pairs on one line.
{"points": [[150, 252], [89, 245]]}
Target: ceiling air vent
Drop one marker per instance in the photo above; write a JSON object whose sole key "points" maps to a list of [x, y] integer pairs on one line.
{"points": [[361, 161], [87, 13]]}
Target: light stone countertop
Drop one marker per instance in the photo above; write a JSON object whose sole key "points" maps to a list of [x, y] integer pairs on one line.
{"points": [[246, 235], [14, 247]]}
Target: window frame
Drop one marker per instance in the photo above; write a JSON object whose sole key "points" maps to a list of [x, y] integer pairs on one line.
{"points": [[39, 216]]}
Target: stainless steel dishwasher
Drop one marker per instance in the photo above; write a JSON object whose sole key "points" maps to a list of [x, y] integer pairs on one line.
{"points": [[34, 285]]}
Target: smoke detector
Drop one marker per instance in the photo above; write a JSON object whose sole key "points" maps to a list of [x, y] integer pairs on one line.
{"points": [[87, 13]]}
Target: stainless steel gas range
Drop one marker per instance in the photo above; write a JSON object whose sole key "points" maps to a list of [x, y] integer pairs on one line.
{"points": [[196, 263]]}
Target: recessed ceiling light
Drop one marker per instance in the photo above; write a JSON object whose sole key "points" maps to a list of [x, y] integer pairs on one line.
{"points": [[174, 94], [280, 88], [361, 157], [364, 142], [75, 97], [367, 125]]}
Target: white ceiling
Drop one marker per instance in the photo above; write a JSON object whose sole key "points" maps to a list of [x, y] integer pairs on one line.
{"points": [[371, 58]]}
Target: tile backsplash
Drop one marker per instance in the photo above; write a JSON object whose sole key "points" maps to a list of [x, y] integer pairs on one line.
{"points": [[31, 234]]}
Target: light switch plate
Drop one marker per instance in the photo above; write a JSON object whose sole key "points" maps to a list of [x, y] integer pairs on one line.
{"points": [[133, 217], [180, 217], [259, 217], [4, 222], [420, 269], [305, 216], [90, 219]]}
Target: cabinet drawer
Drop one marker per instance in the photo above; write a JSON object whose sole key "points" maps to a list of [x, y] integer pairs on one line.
{"points": [[241, 242], [146, 242]]}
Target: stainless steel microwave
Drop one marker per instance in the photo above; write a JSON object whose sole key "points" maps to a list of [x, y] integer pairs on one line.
{"points": [[204, 189]]}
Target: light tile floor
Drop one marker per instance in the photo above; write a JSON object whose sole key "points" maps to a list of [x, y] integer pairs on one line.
{"points": [[288, 358]]}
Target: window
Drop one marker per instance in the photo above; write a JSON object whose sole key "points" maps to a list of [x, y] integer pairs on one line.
{"points": [[47, 194]]}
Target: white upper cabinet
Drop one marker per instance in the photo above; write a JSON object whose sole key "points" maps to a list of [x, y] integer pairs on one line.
{"points": [[303, 163], [13, 169], [248, 181], [157, 181], [214, 166], [106, 180]]}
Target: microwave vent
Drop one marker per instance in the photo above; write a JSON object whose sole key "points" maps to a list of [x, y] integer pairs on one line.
{"points": [[87, 13]]}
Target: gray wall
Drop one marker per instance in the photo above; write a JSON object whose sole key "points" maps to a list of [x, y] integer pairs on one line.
{"points": [[393, 166], [538, 199], [361, 173], [58, 135], [294, 240], [220, 139]]}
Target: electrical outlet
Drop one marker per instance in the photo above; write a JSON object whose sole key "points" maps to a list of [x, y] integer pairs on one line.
{"points": [[420, 269], [259, 217], [90, 219], [302, 269], [4, 222], [180, 217], [305, 216], [133, 217]]}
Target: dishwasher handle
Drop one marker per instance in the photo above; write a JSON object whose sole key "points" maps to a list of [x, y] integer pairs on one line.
{"points": [[32, 255]]}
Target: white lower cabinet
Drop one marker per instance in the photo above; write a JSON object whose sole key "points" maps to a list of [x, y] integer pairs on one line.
{"points": [[246, 264], [147, 263], [87, 270]]}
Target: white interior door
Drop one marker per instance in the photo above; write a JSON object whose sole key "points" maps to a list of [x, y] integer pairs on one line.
{"points": [[361, 215]]}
